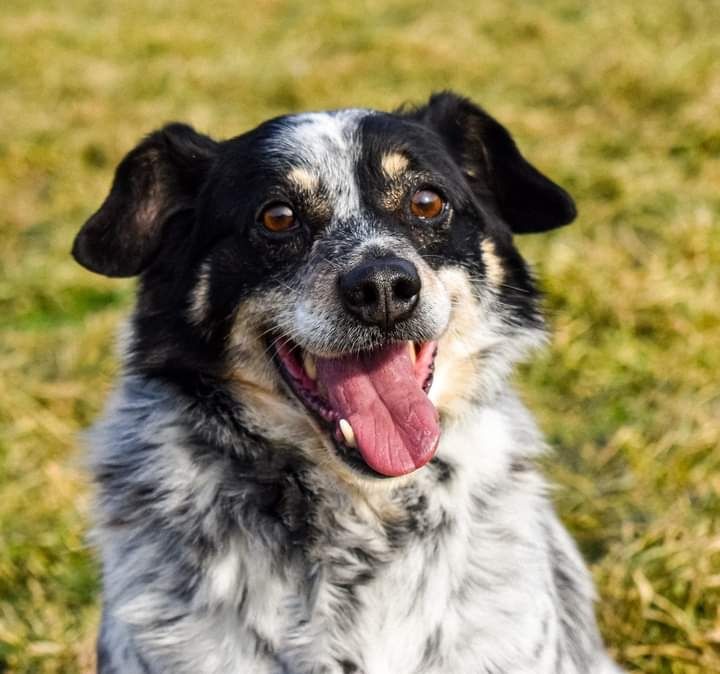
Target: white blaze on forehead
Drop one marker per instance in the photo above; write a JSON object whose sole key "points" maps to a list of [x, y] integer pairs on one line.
{"points": [[326, 145]]}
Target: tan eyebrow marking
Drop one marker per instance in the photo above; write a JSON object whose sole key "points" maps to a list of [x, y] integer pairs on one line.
{"points": [[303, 179], [493, 265], [394, 163]]}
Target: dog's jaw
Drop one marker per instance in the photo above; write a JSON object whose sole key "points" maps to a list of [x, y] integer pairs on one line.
{"points": [[299, 370]]}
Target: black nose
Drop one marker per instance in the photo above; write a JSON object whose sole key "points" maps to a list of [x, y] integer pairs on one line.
{"points": [[382, 291]]}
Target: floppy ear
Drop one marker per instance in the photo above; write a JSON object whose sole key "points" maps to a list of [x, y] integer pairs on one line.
{"points": [[526, 199], [159, 178]]}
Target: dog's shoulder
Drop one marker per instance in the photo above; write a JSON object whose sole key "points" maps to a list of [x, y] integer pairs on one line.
{"points": [[473, 539]]}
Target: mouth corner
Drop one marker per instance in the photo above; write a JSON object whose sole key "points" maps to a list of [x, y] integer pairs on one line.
{"points": [[373, 404]]}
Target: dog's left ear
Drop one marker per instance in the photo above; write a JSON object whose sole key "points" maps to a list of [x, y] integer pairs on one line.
{"points": [[527, 200], [159, 178]]}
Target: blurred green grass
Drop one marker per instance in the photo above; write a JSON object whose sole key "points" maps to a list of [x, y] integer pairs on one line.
{"points": [[618, 101]]}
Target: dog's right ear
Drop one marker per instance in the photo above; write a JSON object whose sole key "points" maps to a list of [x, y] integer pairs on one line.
{"points": [[527, 200], [159, 178]]}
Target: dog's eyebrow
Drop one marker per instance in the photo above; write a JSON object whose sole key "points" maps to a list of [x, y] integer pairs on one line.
{"points": [[303, 179], [394, 163]]}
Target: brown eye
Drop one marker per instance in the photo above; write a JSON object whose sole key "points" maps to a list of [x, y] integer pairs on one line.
{"points": [[426, 204], [278, 218]]}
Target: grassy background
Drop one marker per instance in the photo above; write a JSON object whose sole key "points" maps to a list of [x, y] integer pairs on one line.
{"points": [[619, 101]]}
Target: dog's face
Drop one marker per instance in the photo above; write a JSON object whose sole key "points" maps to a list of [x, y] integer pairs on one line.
{"points": [[350, 274]]}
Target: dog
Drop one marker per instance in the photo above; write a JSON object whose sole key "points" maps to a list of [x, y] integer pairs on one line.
{"points": [[314, 461]]}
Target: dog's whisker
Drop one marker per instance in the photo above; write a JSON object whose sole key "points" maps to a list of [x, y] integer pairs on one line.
{"points": [[524, 291]]}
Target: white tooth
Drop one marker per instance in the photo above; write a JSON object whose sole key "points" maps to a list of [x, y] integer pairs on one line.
{"points": [[411, 351], [348, 433], [310, 366]]}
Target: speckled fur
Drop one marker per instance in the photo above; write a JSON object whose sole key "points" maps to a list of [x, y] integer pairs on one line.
{"points": [[235, 541]]}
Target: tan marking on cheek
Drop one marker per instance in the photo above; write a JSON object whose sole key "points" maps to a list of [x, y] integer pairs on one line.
{"points": [[200, 296], [249, 357], [267, 409], [493, 266], [255, 381], [457, 367], [303, 179], [394, 164]]}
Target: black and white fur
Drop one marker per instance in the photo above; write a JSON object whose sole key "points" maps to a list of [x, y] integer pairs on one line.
{"points": [[235, 537]]}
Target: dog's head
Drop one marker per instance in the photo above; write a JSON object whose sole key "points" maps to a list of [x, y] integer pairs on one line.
{"points": [[351, 275]]}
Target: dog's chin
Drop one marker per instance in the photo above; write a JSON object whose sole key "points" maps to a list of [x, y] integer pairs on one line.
{"points": [[371, 407]]}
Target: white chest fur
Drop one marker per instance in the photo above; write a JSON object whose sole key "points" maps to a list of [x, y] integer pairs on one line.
{"points": [[471, 586]]}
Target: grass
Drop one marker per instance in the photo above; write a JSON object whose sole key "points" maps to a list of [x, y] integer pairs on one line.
{"points": [[619, 101]]}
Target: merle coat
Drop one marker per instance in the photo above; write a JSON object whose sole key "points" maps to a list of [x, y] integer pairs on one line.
{"points": [[237, 533]]}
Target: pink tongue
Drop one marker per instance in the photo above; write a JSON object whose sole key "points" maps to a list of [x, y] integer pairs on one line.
{"points": [[395, 424]]}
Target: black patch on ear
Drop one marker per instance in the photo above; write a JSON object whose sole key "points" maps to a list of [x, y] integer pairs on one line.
{"points": [[159, 178], [526, 199]]}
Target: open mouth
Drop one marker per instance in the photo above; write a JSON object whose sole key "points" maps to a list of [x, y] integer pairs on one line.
{"points": [[374, 404]]}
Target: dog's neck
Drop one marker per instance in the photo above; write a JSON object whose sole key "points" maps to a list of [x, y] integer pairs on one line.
{"points": [[478, 451], [273, 491]]}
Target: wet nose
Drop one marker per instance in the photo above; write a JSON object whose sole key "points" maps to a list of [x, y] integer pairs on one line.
{"points": [[382, 291]]}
